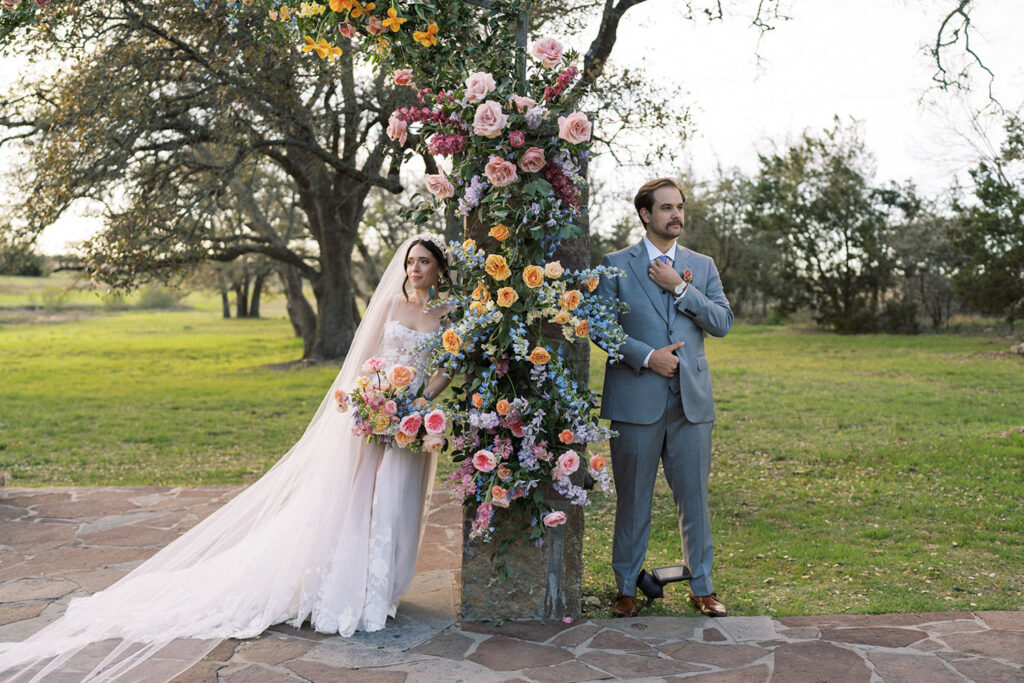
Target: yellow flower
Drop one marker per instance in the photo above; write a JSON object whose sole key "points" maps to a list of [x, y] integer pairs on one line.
{"points": [[533, 276], [394, 22], [477, 307], [561, 318], [553, 270], [497, 267], [451, 341], [591, 283], [358, 10], [571, 299], [311, 9], [428, 37], [285, 13], [507, 296], [539, 356], [341, 5], [272, 14], [469, 245], [582, 329], [363, 381], [499, 232], [380, 422]]}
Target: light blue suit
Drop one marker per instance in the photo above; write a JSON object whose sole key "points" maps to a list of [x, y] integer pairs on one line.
{"points": [[662, 419]]}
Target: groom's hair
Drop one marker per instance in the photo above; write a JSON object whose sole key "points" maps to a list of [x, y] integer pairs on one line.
{"points": [[644, 198]]}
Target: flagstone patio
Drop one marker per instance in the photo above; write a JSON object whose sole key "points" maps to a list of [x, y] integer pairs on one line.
{"points": [[60, 543]]}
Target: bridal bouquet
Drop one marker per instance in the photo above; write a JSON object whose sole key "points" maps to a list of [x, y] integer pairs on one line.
{"points": [[387, 412]]}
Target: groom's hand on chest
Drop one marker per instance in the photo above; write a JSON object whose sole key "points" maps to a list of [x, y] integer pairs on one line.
{"points": [[664, 360], [663, 275]]}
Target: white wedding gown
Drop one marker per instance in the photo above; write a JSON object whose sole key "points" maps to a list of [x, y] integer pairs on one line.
{"points": [[330, 534]]}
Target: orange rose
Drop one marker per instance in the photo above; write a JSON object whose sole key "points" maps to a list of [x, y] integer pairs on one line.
{"points": [[504, 472], [507, 296], [499, 232], [540, 356], [533, 276], [451, 342], [591, 283], [400, 376], [582, 329], [565, 436], [553, 270], [571, 299], [478, 400], [402, 439], [561, 318], [597, 463], [479, 292], [502, 407], [497, 267]]}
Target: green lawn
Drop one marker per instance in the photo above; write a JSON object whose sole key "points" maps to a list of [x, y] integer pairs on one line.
{"points": [[851, 474]]}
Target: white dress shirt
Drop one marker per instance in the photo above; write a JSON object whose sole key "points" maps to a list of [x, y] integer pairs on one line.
{"points": [[652, 254]]}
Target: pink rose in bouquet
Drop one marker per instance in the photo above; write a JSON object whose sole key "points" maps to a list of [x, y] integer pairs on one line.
{"points": [[516, 138], [548, 52], [390, 407], [398, 129], [410, 424], [478, 85], [373, 365], [402, 76], [484, 460], [436, 421], [432, 443], [500, 172], [517, 429], [488, 121], [439, 185], [555, 518], [532, 160], [523, 103], [568, 462], [574, 128], [401, 376]]}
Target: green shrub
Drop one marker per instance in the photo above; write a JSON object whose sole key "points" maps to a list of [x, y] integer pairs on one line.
{"points": [[156, 296]]}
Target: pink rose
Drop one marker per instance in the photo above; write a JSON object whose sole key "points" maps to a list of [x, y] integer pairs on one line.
{"points": [[516, 138], [500, 172], [373, 365], [478, 84], [568, 462], [548, 52], [410, 424], [390, 407], [532, 160], [488, 121], [439, 185], [402, 76], [499, 497], [436, 421], [484, 460], [574, 128], [397, 129], [347, 30], [517, 429], [433, 442], [375, 26], [523, 103], [555, 518]]}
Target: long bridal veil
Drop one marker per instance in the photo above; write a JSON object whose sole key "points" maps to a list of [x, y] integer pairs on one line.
{"points": [[265, 557]]}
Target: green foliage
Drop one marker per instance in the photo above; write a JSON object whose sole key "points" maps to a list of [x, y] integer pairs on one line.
{"points": [[990, 232], [155, 296], [19, 258]]}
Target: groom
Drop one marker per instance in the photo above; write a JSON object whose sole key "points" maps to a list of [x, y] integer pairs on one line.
{"points": [[659, 396]]}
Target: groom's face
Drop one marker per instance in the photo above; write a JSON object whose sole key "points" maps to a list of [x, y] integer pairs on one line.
{"points": [[665, 219]]}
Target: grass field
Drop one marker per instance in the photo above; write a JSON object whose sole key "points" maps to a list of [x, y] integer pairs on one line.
{"points": [[851, 474]]}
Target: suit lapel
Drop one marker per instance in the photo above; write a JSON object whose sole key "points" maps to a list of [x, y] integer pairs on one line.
{"points": [[679, 264], [639, 264]]}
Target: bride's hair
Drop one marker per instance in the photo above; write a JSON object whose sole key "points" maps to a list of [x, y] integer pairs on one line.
{"points": [[437, 252]]}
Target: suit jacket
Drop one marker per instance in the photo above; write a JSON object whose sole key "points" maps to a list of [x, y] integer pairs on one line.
{"points": [[633, 393]]}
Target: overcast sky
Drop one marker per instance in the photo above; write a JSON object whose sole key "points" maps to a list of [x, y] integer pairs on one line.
{"points": [[860, 59]]}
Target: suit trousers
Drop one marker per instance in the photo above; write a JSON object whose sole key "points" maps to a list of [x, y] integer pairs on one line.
{"points": [[684, 449]]}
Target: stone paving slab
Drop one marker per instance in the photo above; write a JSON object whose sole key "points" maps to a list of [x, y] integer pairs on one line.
{"points": [[60, 543]]}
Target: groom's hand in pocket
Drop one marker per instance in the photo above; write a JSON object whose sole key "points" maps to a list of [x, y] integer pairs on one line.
{"points": [[664, 361]]}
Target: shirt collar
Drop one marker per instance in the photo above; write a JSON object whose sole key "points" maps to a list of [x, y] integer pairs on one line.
{"points": [[653, 253]]}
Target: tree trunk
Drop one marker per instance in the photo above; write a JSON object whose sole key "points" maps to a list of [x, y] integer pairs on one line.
{"points": [[254, 300], [225, 303], [300, 313], [334, 297], [242, 299]]}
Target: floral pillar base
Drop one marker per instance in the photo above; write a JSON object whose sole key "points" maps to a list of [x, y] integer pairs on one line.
{"points": [[544, 582]]}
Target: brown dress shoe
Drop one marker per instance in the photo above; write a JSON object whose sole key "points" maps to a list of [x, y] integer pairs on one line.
{"points": [[708, 605], [625, 606]]}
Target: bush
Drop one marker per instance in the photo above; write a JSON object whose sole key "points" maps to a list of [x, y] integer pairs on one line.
{"points": [[899, 317], [52, 298], [156, 296], [19, 259]]}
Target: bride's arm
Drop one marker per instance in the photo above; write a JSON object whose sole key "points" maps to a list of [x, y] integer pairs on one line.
{"points": [[438, 383]]}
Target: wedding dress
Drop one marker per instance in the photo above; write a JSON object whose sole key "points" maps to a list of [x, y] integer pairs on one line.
{"points": [[329, 534]]}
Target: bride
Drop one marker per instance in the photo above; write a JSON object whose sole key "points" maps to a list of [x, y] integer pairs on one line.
{"points": [[329, 534]]}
